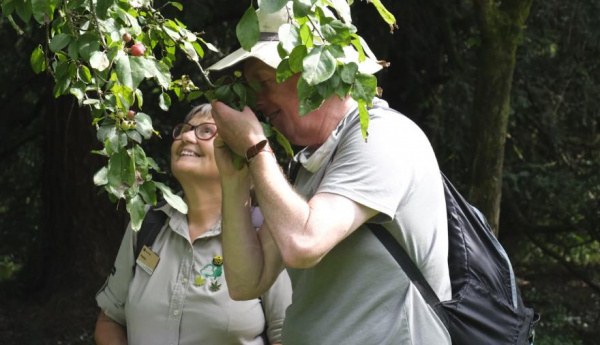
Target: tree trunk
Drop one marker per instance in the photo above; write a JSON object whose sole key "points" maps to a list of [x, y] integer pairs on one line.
{"points": [[500, 28]]}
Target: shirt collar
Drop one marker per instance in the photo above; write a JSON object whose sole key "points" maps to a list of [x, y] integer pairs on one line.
{"points": [[178, 222]]}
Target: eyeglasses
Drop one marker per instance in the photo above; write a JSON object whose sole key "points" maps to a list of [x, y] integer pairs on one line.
{"points": [[203, 131]]}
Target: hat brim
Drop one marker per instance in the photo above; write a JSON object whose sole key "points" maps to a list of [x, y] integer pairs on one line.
{"points": [[266, 51]]}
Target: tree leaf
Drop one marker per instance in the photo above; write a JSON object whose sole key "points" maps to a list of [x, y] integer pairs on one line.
{"points": [[144, 125], [84, 74], [176, 5], [40, 9], [162, 73], [337, 32], [121, 169], [272, 6], [296, 57], [364, 118], [137, 211], [59, 41], [303, 7], [365, 87], [247, 30], [342, 7], [101, 177], [289, 37], [309, 97], [384, 13], [164, 101], [102, 8], [283, 71], [319, 65], [148, 192], [88, 44], [38, 60], [349, 72], [284, 142], [139, 70], [23, 9], [174, 200], [8, 7], [123, 68]]}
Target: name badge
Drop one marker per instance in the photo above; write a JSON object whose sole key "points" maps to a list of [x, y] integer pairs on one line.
{"points": [[148, 260]]}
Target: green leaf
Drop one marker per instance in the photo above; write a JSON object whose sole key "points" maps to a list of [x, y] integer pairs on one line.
{"points": [[140, 97], [102, 8], [85, 75], [365, 87], [164, 101], [337, 32], [174, 200], [38, 60], [283, 71], [59, 41], [349, 72], [240, 90], [8, 7], [123, 69], [113, 140], [247, 30], [272, 6], [121, 169], [303, 7], [306, 36], [342, 7], [148, 192], [364, 118], [88, 44], [284, 142], [319, 65], [384, 13], [289, 37], [135, 136], [137, 211], [162, 74], [309, 97], [194, 95], [144, 125], [139, 70], [176, 5], [296, 57], [189, 49], [198, 49], [101, 177], [23, 9]]}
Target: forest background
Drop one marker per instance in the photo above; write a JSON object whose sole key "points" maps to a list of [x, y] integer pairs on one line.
{"points": [[58, 237]]}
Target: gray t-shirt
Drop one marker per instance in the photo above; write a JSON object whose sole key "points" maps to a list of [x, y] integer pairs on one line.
{"points": [[185, 301], [358, 294]]}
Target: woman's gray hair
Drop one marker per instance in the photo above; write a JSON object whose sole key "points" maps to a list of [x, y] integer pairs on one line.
{"points": [[204, 109]]}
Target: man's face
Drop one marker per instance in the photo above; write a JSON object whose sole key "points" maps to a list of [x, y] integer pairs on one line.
{"points": [[279, 102]]}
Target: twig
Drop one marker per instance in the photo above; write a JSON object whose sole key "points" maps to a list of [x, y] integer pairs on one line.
{"points": [[97, 23]]}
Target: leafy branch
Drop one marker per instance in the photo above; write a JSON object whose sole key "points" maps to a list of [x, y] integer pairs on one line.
{"points": [[101, 52]]}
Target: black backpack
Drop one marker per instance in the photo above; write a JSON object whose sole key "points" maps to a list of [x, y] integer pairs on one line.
{"points": [[486, 305]]}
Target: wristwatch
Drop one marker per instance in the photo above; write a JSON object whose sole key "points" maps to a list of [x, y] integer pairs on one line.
{"points": [[261, 146]]}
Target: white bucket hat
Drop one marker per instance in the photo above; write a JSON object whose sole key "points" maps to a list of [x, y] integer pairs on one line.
{"points": [[266, 47]]}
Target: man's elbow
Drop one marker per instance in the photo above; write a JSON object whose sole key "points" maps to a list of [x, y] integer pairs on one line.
{"points": [[300, 255]]}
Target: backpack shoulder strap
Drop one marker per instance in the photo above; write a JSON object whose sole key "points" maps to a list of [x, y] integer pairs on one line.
{"points": [[151, 227], [405, 262]]}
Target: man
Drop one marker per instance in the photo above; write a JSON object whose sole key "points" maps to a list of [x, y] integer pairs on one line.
{"points": [[347, 289]]}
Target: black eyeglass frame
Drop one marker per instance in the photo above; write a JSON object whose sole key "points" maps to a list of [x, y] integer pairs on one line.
{"points": [[193, 128]]}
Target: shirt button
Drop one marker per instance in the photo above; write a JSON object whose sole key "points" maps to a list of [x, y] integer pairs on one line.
{"points": [[189, 250], [184, 281], [176, 312]]}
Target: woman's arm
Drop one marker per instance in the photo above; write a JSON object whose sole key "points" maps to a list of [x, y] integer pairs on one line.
{"points": [[109, 332]]}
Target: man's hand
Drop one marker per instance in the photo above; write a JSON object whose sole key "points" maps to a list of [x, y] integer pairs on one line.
{"points": [[239, 130]]}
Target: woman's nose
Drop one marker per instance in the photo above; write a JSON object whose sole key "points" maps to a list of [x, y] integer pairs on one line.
{"points": [[189, 136]]}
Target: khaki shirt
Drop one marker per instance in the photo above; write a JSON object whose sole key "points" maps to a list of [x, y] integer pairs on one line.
{"points": [[185, 300]]}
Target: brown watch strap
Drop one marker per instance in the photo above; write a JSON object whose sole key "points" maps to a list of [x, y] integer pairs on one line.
{"points": [[261, 146]]}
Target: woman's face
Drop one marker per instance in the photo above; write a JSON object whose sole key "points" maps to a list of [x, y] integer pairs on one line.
{"points": [[192, 157]]}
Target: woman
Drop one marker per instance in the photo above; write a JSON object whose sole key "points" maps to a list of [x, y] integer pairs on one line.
{"points": [[185, 299]]}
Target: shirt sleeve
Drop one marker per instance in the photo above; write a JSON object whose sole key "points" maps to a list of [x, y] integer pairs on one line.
{"points": [[275, 302], [379, 173], [111, 297]]}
